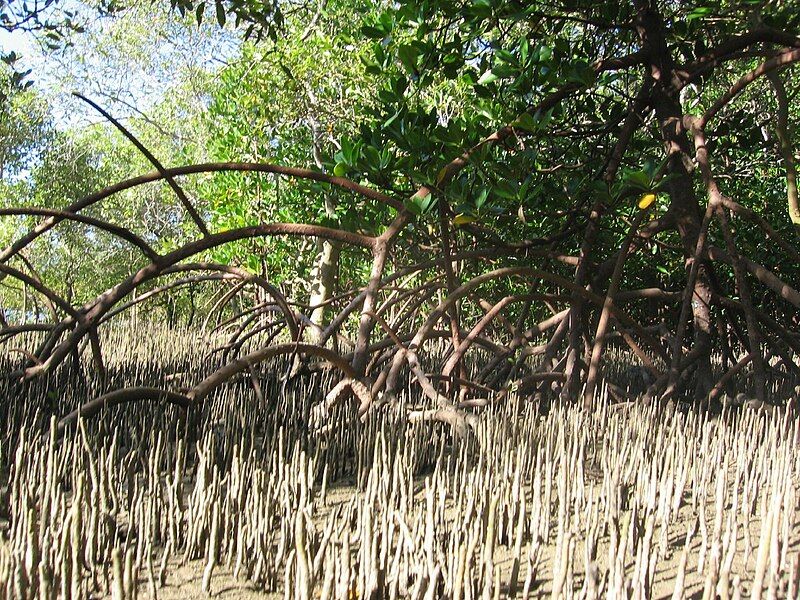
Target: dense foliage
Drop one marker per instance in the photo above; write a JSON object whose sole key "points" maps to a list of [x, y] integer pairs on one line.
{"points": [[537, 179]]}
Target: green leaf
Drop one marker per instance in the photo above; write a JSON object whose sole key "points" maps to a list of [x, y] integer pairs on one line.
{"points": [[525, 121], [408, 57], [420, 203], [699, 12], [481, 198], [220, 13], [637, 179], [523, 50], [373, 32], [487, 78]]}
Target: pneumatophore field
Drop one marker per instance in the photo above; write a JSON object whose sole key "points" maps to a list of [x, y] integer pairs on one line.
{"points": [[255, 493]]}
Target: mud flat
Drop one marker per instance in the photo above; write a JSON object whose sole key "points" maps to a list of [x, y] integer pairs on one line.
{"points": [[245, 497]]}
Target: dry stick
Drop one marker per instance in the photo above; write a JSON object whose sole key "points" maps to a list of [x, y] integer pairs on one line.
{"points": [[762, 556], [117, 589], [605, 314]]}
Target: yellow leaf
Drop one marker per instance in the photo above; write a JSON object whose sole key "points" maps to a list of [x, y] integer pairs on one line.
{"points": [[463, 219], [441, 175], [646, 200]]}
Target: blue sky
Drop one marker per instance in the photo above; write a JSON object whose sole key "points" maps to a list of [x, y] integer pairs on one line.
{"points": [[123, 81]]}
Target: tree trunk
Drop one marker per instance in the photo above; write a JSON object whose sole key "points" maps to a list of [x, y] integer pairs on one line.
{"points": [[323, 280], [684, 205]]}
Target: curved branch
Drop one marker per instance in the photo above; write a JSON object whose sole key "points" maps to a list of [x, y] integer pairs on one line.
{"points": [[100, 195], [42, 289], [246, 276], [737, 208], [160, 290], [764, 275], [605, 313], [201, 391], [530, 272], [730, 47], [122, 396], [154, 161], [64, 215], [779, 61], [490, 315], [101, 305]]}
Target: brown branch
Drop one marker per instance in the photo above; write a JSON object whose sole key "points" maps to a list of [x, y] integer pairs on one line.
{"points": [[161, 289], [730, 47], [729, 374], [36, 276], [773, 235], [764, 275], [529, 272], [63, 215], [42, 289], [715, 199], [100, 306], [450, 275], [184, 200], [201, 391], [490, 315], [790, 338], [248, 277], [100, 195], [779, 61], [753, 335], [122, 396], [605, 313]]}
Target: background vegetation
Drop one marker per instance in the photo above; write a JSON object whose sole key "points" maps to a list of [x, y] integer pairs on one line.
{"points": [[609, 172]]}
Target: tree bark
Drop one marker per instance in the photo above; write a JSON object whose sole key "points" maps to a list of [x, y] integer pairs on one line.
{"points": [[684, 205], [785, 148]]}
